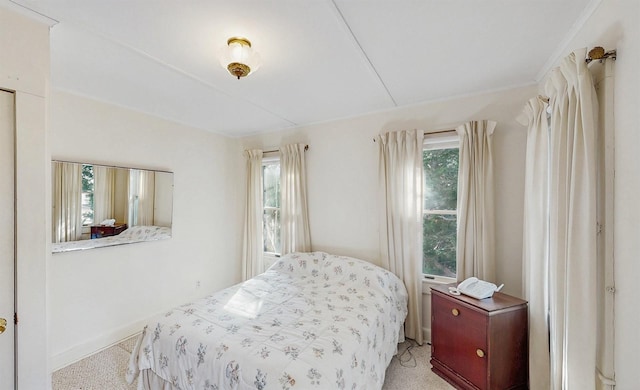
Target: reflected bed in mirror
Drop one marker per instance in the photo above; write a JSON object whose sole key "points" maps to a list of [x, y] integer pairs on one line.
{"points": [[96, 205]]}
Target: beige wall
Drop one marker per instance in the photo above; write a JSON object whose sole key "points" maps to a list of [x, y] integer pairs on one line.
{"points": [[24, 69], [163, 200], [99, 296]]}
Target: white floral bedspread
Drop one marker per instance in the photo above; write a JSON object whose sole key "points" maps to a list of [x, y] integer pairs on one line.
{"points": [[129, 236], [311, 321]]}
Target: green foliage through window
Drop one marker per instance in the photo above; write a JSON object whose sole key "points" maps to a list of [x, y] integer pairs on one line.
{"points": [[439, 219], [87, 194]]}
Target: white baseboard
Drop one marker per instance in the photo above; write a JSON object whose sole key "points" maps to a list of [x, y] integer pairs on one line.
{"points": [[426, 334], [95, 345]]}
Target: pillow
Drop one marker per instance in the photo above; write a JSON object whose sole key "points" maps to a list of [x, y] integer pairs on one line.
{"points": [[343, 270]]}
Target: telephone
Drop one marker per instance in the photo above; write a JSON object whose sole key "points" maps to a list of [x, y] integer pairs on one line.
{"points": [[475, 288]]}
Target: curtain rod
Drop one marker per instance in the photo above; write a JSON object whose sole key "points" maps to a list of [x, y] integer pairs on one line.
{"points": [[439, 131], [433, 132], [306, 147]]}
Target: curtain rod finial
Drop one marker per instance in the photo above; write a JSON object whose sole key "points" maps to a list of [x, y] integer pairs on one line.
{"points": [[598, 53]]}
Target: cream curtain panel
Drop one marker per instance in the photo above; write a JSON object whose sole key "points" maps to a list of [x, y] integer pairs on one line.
{"points": [[146, 198], [560, 219], [475, 255], [295, 232], [401, 187], [132, 193], [572, 224], [104, 196], [128, 204], [67, 201], [141, 191], [535, 241], [252, 248]]}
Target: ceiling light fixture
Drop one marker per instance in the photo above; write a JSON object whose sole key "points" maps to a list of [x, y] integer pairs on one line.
{"points": [[239, 58]]}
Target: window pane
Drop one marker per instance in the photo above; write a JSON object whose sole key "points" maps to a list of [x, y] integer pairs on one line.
{"points": [[271, 230], [271, 185], [441, 179], [87, 194], [440, 193], [439, 245]]}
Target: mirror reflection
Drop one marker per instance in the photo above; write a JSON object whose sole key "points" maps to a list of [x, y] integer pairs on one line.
{"points": [[96, 205]]}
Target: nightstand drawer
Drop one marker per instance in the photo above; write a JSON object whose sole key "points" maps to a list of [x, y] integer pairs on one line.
{"points": [[479, 344], [459, 338]]}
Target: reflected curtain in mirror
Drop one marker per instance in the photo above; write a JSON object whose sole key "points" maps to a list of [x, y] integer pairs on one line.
{"points": [[104, 193], [141, 201], [67, 201]]}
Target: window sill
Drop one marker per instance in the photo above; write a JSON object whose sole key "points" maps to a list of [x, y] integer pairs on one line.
{"points": [[268, 259], [437, 280], [270, 254]]}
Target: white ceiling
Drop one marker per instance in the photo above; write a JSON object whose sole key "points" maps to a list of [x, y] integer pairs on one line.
{"points": [[322, 59]]}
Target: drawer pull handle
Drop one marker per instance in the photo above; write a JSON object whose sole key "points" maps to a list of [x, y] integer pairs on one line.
{"points": [[480, 353], [455, 312]]}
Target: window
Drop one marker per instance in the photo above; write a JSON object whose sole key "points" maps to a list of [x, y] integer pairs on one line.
{"points": [[271, 205], [440, 162], [87, 194]]}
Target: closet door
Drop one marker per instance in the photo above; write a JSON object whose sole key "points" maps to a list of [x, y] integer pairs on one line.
{"points": [[7, 240]]}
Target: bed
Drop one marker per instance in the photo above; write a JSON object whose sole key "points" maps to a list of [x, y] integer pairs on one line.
{"points": [[131, 235], [311, 321]]}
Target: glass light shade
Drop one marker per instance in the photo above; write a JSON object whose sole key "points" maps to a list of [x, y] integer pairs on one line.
{"points": [[239, 58]]}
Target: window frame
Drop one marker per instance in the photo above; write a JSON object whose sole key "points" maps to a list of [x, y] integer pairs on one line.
{"points": [[438, 141], [266, 161]]}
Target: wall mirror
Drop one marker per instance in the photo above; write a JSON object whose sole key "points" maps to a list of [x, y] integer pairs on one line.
{"points": [[96, 205]]}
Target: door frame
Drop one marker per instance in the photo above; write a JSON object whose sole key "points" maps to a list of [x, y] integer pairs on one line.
{"points": [[10, 315]]}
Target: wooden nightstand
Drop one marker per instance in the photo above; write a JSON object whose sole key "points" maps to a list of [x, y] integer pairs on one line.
{"points": [[479, 344], [99, 231]]}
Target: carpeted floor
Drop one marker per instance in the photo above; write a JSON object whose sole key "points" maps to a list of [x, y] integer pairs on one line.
{"points": [[412, 371], [105, 370]]}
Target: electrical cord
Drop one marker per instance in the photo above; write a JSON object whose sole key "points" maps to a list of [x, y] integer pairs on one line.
{"points": [[406, 358]]}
